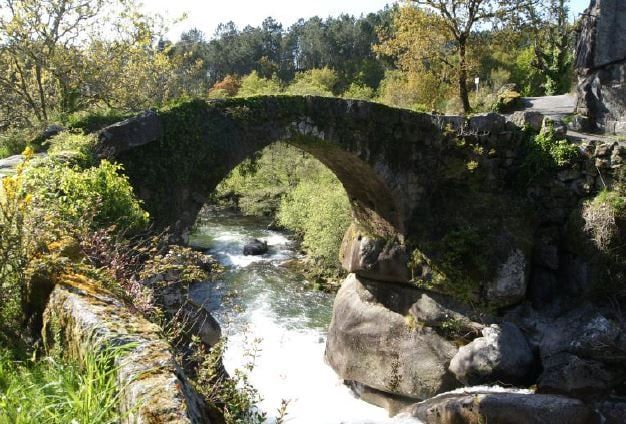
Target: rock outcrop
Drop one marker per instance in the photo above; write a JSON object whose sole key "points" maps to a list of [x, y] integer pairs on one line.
{"points": [[601, 65]]}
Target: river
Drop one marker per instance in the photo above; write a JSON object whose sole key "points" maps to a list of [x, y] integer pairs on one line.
{"points": [[265, 308]]}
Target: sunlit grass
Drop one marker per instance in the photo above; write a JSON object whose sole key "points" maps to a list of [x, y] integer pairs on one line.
{"points": [[50, 390]]}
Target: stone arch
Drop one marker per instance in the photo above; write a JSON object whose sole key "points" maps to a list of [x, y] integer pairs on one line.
{"points": [[175, 158], [420, 185]]}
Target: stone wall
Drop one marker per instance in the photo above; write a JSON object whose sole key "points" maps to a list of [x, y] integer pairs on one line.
{"points": [[80, 317]]}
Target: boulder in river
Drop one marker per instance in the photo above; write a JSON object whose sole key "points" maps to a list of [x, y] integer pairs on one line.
{"points": [[255, 247], [378, 347]]}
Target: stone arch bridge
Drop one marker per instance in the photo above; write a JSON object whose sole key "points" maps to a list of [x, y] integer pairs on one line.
{"points": [[426, 190]]}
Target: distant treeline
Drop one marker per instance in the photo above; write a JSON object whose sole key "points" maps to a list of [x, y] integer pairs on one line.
{"points": [[344, 43]]}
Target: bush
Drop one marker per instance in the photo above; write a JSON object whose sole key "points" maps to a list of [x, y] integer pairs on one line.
{"points": [[78, 147], [605, 221], [315, 82], [14, 141], [359, 92], [254, 85], [318, 209], [546, 152], [227, 87], [99, 196]]}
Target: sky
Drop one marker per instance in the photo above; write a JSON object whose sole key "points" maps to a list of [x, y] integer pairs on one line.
{"points": [[207, 14]]}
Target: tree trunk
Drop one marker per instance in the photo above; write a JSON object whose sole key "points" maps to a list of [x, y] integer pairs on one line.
{"points": [[463, 94]]}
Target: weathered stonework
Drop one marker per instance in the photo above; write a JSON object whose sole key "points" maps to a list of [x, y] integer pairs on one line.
{"points": [[601, 66], [81, 317]]}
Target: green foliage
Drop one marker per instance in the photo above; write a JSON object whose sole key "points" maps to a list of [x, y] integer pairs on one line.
{"points": [[13, 253], [99, 196], [89, 121], [507, 102], [233, 395], [14, 141], [545, 152], [55, 391], [315, 82], [319, 210], [254, 85], [359, 92], [77, 147]]}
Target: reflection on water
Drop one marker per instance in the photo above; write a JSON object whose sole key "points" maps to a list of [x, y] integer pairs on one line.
{"points": [[258, 298]]}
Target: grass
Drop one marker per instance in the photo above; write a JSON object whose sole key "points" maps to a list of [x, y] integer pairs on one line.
{"points": [[50, 390]]}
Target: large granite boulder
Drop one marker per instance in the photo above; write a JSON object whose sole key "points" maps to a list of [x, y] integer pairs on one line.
{"points": [[501, 355], [601, 65], [376, 346], [502, 407]]}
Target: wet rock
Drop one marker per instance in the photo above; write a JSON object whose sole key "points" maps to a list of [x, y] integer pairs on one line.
{"points": [[582, 352], [391, 403], [193, 317], [501, 355], [255, 247], [373, 345], [473, 407]]}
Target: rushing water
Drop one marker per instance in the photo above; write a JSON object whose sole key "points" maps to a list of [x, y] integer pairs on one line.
{"points": [[263, 305]]}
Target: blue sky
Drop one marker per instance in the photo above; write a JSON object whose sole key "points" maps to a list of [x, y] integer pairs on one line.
{"points": [[207, 14]]}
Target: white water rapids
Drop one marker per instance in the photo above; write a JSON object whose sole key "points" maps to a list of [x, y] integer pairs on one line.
{"points": [[258, 299]]}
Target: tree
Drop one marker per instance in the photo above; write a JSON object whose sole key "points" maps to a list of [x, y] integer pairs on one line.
{"points": [[39, 51], [456, 22], [552, 44]]}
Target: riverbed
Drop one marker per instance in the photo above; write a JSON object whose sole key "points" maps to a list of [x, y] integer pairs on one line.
{"points": [[269, 316]]}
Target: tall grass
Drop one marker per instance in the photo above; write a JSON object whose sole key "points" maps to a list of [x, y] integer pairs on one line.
{"points": [[50, 390]]}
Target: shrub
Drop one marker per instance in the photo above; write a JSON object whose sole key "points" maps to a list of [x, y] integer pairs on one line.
{"points": [[318, 209], [78, 147], [227, 87], [14, 141], [359, 92], [254, 85], [546, 152], [314, 82], [13, 255], [605, 220], [99, 196]]}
